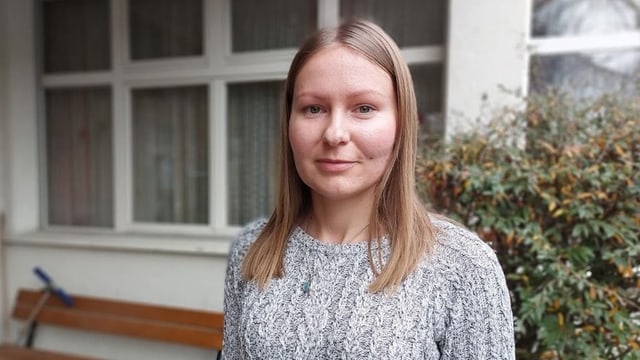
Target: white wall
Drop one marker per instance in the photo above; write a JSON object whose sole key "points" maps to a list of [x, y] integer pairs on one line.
{"points": [[3, 106], [18, 124], [21, 117], [486, 53]]}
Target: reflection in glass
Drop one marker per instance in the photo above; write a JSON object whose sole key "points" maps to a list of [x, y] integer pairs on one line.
{"points": [[252, 151], [79, 156], [269, 25], [165, 28], [170, 155], [581, 17], [75, 35], [408, 22], [587, 76]]}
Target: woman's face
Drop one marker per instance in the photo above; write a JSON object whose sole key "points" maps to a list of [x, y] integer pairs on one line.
{"points": [[343, 124]]}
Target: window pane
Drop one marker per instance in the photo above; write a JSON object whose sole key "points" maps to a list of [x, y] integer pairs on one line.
{"points": [[577, 17], [170, 155], [165, 28], [587, 76], [253, 130], [427, 80], [76, 35], [79, 156], [274, 24], [409, 22]]}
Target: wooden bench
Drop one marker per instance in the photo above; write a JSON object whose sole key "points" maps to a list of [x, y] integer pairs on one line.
{"points": [[152, 322]]}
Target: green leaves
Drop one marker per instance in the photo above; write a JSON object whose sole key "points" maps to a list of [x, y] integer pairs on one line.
{"points": [[555, 189]]}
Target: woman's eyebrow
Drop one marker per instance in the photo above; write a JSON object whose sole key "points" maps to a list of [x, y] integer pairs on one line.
{"points": [[357, 93]]}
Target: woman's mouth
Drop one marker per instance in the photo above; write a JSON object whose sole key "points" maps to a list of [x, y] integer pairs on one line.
{"points": [[334, 165]]}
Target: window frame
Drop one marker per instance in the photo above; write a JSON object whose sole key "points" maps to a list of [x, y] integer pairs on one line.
{"points": [[555, 45]]}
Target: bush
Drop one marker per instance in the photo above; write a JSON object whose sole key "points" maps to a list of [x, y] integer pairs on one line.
{"points": [[555, 189]]}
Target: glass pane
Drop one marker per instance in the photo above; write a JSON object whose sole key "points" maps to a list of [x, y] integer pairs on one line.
{"points": [[76, 35], [165, 28], [274, 24], [170, 155], [409, 22], [79, 156], [427, 79], [253, 133], [577, 17], [587, 76]]}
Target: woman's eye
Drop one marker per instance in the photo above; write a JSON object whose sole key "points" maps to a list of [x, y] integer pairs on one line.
{"points": [[365, 109], [313, 109]]}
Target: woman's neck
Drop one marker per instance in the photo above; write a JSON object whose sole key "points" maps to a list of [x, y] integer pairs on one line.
{"points": [[339, 222]]}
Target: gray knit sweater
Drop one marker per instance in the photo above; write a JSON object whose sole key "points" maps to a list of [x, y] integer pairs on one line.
{"points": [[454, 306]]}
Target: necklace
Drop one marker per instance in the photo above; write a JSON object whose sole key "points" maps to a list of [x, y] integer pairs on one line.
{"points": [[306, 285]]}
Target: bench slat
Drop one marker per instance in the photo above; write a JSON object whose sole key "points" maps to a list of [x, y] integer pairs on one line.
{"points": [[12, 352], [128, 308], [182, 326]]}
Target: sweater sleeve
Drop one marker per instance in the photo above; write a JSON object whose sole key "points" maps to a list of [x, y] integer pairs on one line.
{"points": [[479, 324]]}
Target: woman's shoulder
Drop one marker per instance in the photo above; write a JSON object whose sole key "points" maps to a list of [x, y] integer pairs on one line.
{"points": [[458, 247], [246, 237]]}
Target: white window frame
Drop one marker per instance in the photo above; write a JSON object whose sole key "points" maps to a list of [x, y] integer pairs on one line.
{"points": [[624, 40]]}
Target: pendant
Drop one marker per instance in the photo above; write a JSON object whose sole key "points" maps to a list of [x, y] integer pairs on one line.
{"points": [[306, 286]]}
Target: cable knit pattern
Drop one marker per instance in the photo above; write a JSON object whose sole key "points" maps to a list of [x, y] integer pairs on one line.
{"points": [[454, 306]]}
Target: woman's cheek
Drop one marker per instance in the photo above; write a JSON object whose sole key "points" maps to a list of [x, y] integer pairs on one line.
{"points": [[298, 138], [378, 143]]}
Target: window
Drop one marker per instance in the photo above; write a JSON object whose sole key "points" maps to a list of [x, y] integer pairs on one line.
{"points": [[165, 28], [408, 22], [173, 124], [79, 156], [585, 47], [269, 25], [76, 35], [427, 80], [253, 131], [170, 155]]}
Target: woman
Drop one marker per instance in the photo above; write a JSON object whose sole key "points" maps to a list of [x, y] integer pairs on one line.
{"points": [[350, 264]]}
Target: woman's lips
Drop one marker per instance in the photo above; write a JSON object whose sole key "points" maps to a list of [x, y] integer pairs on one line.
{"points": [[334, 165]]}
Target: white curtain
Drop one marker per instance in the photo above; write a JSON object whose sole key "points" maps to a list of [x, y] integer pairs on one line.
{"points": [[170, 155], [79, 156], [253, 133]]}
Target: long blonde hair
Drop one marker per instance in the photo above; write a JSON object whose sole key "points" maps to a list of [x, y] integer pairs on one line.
{"points": [[396, 209]]}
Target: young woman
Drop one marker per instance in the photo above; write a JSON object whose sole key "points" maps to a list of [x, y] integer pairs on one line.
{"points": [[350, 265]]}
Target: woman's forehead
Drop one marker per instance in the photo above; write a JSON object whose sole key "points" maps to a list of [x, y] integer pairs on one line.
{"points": [[339, 62]]}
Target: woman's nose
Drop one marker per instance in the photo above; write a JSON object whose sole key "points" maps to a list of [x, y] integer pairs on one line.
{"points": [[336, 132]]}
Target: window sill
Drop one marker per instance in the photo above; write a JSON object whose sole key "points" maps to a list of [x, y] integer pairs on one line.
{"points": [[213, 245]]}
